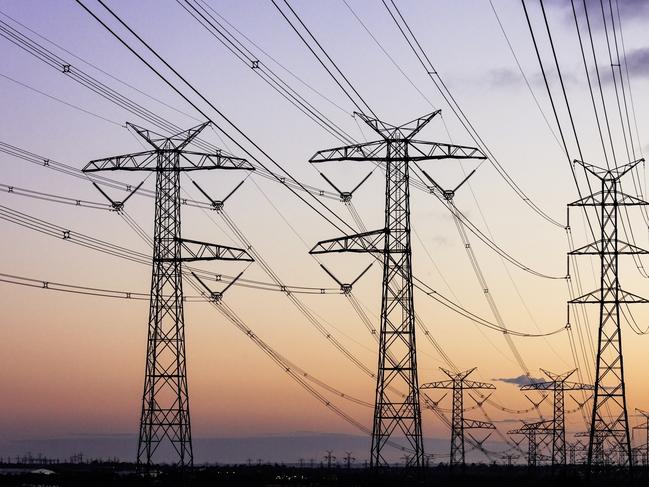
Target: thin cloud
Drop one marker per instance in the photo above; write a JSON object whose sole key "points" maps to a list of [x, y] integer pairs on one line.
{"points": [[629, 10], [638, 62], [504, 78], [507, 78], [521, 380]]}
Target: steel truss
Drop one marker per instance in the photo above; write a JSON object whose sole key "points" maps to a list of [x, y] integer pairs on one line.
{"points": [[609, 429], [397, 409], [165, 401], [458, 383]]}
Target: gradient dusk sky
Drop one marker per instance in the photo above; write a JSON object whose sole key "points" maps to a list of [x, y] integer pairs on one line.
{"points": [[73, 365]]}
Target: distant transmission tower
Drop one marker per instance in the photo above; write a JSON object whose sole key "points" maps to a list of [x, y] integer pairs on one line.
{"points": [[534, 433], [458, 383], [165, 402], [397, 411], [644, 449], [557, 428], [609, 429]]}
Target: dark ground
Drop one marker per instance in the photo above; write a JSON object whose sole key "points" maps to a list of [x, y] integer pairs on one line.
{"points": [[111, 474]]}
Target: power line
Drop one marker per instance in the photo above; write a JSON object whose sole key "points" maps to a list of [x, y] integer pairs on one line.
{"points": [[448, 97]]}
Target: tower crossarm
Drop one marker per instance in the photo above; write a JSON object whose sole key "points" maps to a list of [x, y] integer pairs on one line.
{"points": [[137, 161], [442, 384], [475, 424], [576, 386], [595, 297], [599, 199], [358, 152], [196, 251], [528, 428], [148, 161], [377, 151], [565, 386], [361, 242], [204, 160], [421, 151], [605, 248], [470, 384]]}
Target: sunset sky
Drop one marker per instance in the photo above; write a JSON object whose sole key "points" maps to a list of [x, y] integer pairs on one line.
{"points": [[73, 365]]}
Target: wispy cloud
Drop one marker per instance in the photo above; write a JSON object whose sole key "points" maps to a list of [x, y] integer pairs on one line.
{"points": [[629, 10], [638, 62], [521, 380], [504, 78], [508, 78]]}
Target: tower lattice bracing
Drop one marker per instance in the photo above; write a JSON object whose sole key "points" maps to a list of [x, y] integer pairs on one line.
{"points": [[557, 428], [457, 384], [165, 401], [609, 429], [535, 433], [397, 411]]}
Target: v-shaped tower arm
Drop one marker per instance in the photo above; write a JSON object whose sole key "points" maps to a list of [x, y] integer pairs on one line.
{"points": [[176, 141], [404, 131], [602, 173]]}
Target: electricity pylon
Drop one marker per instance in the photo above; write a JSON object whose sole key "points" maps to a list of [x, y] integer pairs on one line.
{"points": [[558, 385], [532, 432], [396, 407], [458, 383], [644, 426], [165, 401], [609, 428]]}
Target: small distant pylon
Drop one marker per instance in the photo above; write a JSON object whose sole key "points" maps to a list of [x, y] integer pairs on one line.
{"points": [[558, 385], [609, 428], [349, 459], [534, 433], [458, 383], [165, 401], [509, 459], [330, 458], [644, 449]]}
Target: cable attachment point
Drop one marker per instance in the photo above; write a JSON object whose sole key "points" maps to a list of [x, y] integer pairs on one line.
{"points": [[447, 194], [118, 205], [217, 204], [216, 296], [346, 288], [346, 196]]}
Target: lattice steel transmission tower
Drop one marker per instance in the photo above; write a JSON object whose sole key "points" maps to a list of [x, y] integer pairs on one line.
{"points": [[397, 408], [609, 429], [458, 383], [165, 402], [558, 385], [534, 433], [644, 449]]}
